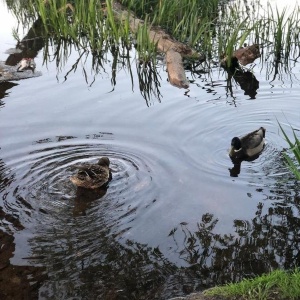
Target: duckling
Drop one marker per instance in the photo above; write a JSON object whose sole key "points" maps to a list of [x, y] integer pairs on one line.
{"points": [[26, 64], [249, 145], [93, 176]]}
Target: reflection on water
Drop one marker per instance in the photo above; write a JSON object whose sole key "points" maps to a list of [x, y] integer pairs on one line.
{"points": [[17, 281], [236, 169], [83, 237], [37, 39], [84, 198], [4, 86], [6, 176], [266, 242], [29, 46], [246, 80]]}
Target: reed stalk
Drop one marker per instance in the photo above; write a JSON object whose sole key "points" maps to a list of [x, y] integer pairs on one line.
{"points": [[294, 147], [213, 27]]}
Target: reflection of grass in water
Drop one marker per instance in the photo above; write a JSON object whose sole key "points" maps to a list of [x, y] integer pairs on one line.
{"points": [[90, 25], [276, 285]]}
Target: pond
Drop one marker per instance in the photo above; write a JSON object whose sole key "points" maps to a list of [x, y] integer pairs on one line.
{"points": [[178, 216]]}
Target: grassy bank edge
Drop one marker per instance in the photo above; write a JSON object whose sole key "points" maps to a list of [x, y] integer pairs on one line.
{"points": [[278, 284]]}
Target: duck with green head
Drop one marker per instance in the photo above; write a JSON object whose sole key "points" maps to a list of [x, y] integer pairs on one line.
{"points": [[249, 145], [93, 176]]}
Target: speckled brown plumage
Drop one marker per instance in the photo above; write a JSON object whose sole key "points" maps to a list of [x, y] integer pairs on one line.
{"points": [[93, 176]]}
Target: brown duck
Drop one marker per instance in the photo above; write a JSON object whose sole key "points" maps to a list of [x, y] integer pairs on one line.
{"points": [[93, 176], [249, 145]]}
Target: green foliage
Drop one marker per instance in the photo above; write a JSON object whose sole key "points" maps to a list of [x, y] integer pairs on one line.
{"points": [[186, 20], [144, 46], [213, 27], [293, 165], [276, 285]]}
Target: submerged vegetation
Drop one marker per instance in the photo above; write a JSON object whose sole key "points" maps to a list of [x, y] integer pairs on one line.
{"points": [[276, 285]]}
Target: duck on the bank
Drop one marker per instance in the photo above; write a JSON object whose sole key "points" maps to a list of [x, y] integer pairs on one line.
{"points": [[26, 64], [93, 176], [249, 145]]}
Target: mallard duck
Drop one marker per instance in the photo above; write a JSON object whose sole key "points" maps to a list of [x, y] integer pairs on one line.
{"points": [[249, 145], [26, 64], [93, 176]]}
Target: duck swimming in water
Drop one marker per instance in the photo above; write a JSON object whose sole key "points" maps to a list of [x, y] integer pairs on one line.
{"points": [[93, 176], [26, 64], [249, 145]]}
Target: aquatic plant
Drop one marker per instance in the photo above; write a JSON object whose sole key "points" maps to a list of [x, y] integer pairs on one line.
{"points": [[294, 147], [215, 28]]}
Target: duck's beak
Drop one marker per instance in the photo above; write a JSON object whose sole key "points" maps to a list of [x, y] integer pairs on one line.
{"points": [[231, 151]]}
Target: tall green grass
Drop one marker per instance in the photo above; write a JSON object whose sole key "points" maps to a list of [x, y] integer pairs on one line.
{"points": [[276, 285], [294, 147], [214, 27]]}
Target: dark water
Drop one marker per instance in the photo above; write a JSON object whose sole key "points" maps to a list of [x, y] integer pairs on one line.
{"points": [[172, 220]]}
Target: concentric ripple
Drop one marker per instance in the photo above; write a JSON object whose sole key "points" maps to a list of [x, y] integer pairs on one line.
{"points": [[206, 146], [43, 189]]}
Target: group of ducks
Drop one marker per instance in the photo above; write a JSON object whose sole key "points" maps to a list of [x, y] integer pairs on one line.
{"points": [[94, 176]]}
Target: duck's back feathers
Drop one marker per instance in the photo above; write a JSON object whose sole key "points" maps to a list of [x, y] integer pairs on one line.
{"points": [[92, 176]]}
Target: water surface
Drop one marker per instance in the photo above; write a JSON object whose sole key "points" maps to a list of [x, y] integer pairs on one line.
{"points": [[174, 218]]}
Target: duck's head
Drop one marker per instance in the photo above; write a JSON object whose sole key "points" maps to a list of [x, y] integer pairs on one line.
{"points": [[236, 143], [104, 161]]}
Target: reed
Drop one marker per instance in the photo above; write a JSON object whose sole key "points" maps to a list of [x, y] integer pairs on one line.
{"points": [[294, 147], [183, 19], [146, 48], [213, 27]]}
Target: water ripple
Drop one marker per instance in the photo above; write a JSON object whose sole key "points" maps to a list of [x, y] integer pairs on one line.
{"points": [[43, 186]]}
